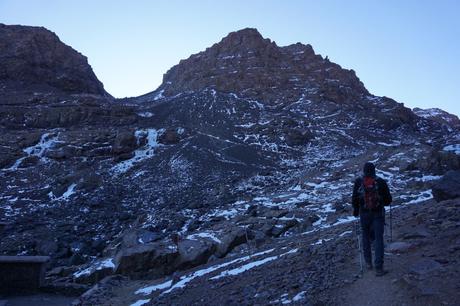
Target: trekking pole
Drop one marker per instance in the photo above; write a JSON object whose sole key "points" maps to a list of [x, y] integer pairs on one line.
{"points": [[359, 247], [391, 226]]}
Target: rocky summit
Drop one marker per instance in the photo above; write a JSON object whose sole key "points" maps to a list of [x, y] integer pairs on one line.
{"points": [[230, 183]]}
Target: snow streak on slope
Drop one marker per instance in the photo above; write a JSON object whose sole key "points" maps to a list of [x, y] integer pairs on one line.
{"points": [[46, 142], [141, 154]]}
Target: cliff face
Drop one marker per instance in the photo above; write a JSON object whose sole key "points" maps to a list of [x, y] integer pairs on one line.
{"points": [[34, 56]]}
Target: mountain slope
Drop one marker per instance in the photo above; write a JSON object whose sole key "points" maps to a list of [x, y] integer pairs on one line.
{"points": [[211, 159]]}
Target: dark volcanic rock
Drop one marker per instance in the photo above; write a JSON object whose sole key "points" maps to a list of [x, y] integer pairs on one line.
{"points": [[156, 259], [36, 56], [448, 187], [193, 253]]}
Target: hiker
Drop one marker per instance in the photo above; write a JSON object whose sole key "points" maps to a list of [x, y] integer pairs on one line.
{"points": [[370, 195]]}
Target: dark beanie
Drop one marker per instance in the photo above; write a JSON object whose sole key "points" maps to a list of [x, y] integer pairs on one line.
{"points": [[369, 169]]}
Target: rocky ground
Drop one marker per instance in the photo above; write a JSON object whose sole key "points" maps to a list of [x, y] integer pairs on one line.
{"points": [[318, 268]]}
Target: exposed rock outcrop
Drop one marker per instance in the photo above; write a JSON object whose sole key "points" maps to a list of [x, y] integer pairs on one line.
{"points": [[36, 56], [448, 187]]}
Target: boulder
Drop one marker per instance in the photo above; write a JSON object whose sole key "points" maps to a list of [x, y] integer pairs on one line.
{"points": [[124, 142], [169, 137], [193, 253], [448, 187], [281, 227], [297, 137], [157, 258], [231, 239]]}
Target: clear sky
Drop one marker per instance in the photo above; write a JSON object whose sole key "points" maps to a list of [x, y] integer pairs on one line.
{"points": [[408, 50]]}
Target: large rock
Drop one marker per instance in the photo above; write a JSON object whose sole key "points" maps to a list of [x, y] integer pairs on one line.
{"points": [[193, 253], [231, 239], [155, 259], [448, 187], [124, 142]]}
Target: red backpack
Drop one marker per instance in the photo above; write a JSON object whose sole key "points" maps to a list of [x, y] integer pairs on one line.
{"points": [[369, 193]]}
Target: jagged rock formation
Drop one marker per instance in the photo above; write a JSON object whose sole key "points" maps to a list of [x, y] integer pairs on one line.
{"points": [[246, 63], [245, 143]]}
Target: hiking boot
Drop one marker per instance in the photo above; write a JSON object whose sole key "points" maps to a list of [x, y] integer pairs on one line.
{"points": [[380, 272]]}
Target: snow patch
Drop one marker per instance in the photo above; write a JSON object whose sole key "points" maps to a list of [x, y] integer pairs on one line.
{"points": [[65, 196], [455, 148], [107, 263], [140, 302], [204, 235], [145, 114], [45, 143], [148, 290], [147, 151], [251, 265]]}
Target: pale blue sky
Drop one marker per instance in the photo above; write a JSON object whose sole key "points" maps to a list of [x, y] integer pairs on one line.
{"points": [[407, 50]]}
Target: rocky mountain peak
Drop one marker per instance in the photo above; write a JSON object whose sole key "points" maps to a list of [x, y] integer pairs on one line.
{"points": [[247, 38], [35, 57], [254, 67]]}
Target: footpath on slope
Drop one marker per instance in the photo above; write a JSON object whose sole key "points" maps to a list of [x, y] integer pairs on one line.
{"points": [[422, 261], [318, 267]]}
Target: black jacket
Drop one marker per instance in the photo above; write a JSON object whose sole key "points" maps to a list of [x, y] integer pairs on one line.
{"points": [[384, 193]]}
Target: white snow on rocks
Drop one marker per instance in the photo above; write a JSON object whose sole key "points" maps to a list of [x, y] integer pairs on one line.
{"points": [[204, 235], [148, 290], [46, 142], [65, 196], [107, 263], [145, 114], [427, 178], [141, 154], [251, 265], [455, 148], [140, 302], [188, 278]]}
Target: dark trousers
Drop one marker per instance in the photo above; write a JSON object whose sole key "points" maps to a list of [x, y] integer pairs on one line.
{"points": [[372, 227]]}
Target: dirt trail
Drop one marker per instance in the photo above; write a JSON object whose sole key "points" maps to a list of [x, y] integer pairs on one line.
{"points": [[376, 291], [422, 268]]}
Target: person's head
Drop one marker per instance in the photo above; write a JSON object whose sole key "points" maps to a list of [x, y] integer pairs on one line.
{"points": [[369, 169]]}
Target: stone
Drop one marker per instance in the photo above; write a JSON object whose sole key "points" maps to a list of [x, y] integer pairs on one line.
{"points": [[148, 237], [417, 234], [231, 239], [124, 142], [47, 247], [193, 253], [448, 187], [156, 258], [281, 227], [425, 266], [169, 137], [399, 247]]}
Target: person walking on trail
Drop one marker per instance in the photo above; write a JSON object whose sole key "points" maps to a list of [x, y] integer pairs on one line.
{"points": [[370, 195]]}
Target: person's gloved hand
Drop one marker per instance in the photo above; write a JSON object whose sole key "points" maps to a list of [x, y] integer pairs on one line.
{"points": [[355, 212]]}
